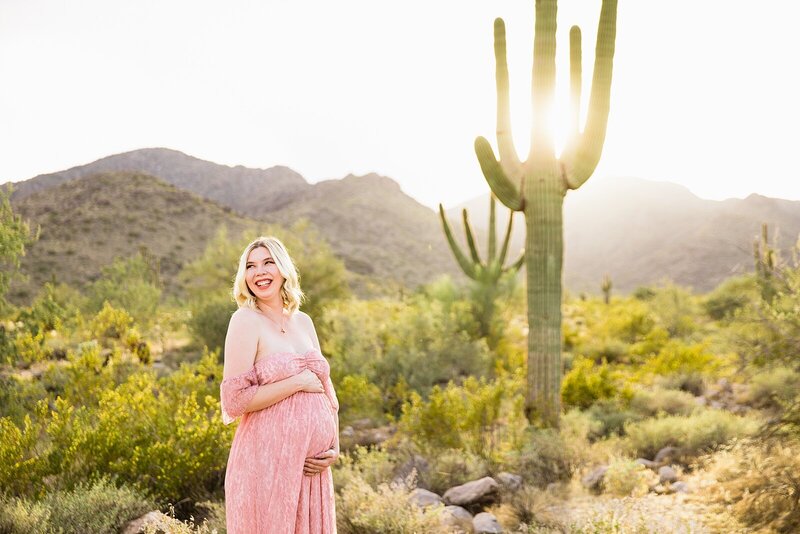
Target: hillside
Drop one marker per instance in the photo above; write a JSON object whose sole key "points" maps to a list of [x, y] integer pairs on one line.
{"points": [[86, 223], [640, 232], [248, 191], [375, 228]]}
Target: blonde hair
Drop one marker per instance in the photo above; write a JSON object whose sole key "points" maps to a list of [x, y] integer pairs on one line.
{"points": [[290, 290]]}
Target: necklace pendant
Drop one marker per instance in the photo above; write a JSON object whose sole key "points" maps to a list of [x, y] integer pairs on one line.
{"points": [[283, 331]]}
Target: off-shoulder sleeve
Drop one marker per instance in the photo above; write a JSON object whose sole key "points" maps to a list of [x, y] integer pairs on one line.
{"points": [[331, 393], [235, 393]]}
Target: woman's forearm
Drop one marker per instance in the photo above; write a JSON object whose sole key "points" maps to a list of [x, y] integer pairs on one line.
{"points": [[269, 394]]}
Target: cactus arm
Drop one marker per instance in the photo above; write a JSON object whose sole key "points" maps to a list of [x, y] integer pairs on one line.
{"points": [[473, 249], [499, 182], [467, 266], [590, 145], [492, 235], [543, 80], [517, 264], [575, 82], [506, 240], [509, 160]]}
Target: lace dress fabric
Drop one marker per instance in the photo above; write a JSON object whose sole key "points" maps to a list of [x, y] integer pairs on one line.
{"points": [[265, 488]]}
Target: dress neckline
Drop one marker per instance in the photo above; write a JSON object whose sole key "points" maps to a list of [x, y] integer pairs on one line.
{"points": [[273, 355]]}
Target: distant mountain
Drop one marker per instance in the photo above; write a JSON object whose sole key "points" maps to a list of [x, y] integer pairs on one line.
{"points": [[640, 232], [248, 191], [386, 238], [87, 222], [637, 231]]}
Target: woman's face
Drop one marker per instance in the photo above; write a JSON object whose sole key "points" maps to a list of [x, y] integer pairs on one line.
{"points": [[262, 275]]}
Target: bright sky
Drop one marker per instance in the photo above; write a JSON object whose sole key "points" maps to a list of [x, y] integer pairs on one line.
{"points": [[705, 92]]}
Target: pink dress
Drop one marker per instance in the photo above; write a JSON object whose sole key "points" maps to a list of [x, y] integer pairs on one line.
{"points": [[265, 488]]}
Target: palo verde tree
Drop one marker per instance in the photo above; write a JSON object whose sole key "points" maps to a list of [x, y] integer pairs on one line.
{"points": [[487, 276], [538, 185]]}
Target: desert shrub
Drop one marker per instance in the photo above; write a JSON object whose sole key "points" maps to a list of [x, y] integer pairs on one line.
{"points": [[479, 416], [692, 434], [546, 456], [358, 399], [29, 348], [95, 508], [15, 235], [422, 341], [586, 383], [730, 296], [626, 477], [758, 482], [169, 524], [362, 509], [373, 466], [18, 396], [676, 309], [609, 417], [652, 402], [21, 467], [131, 284], [451, 468], [54, 306], [162, 435], [110, 323], [773, 388], [209, 320]]}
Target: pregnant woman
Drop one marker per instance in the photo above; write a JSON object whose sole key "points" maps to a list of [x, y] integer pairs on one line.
{"points": [[278, 478]]}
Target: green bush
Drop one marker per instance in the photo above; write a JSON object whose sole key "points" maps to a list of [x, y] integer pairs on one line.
{"points": [[730, 296], [587, 383], [209, 320], [545, 456], [374, 466], [420, 341], [110, 323], [131, 284], [96, 508], [627, 478], [655, 401], [692, 434], [482, 417], [451, 468], [773, 388], [362, 509], [358, 399]]}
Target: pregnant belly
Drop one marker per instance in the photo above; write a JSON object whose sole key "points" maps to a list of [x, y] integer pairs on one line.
{"points": [[304, 419]]}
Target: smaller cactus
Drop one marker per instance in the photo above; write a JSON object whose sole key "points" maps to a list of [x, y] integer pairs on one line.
{"points": [[767, 264], [486, 275], [606, 287]]}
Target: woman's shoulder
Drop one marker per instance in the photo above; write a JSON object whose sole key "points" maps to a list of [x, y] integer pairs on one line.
{"points": [[244, 316], [304, 318]]}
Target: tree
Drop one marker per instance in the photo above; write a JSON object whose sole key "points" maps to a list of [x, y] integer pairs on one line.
{"points": [[15, 235], [537, 186]]}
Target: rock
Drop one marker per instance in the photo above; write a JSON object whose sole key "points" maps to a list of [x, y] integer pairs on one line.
{"points": [[594, 480], [476, 491], [486, 523], [679, 487], [510, 480], [137, 525], [700, 401], [347, 432], [424, 498], [665, 455], [647, 463], [457, 518], [724, 385], [717, 405], [667, 474], [659, 488]]}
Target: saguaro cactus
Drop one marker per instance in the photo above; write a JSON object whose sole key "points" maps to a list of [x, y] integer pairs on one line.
{"points": [[767, 265], [606, 287], [537, 186], [486, 275]]}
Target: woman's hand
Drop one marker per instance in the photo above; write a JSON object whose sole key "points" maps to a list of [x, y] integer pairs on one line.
{"points": [[314, 465], [309, 382]]}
